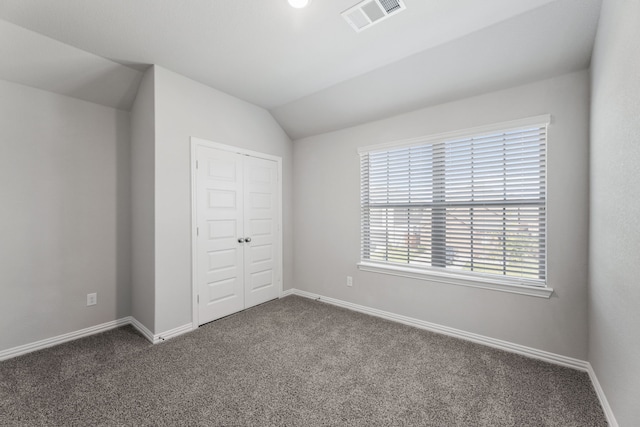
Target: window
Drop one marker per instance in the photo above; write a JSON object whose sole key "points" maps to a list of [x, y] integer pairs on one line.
{"points": [[471, 204]]}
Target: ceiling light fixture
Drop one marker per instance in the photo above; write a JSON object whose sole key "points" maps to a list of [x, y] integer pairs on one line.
{"points": [[299, 4]]}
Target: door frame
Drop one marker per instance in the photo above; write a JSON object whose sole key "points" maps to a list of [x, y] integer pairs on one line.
{"points": [[200, 142]]}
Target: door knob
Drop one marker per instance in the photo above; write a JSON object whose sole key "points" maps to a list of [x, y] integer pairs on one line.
{"points": [[248, 239], [240, 240]]}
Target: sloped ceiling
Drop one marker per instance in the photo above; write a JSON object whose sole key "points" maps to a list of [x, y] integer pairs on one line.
{"points": [[309, 67], [31, 59], [555, 39]]}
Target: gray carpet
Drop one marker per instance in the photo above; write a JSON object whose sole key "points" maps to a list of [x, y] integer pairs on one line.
{"points": [[293, 362]]}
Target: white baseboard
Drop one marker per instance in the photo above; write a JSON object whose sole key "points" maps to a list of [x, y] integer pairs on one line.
{"points": [[172, 333], [50, 342], [611, 419], [287, 293], [142, 329], [158, 338], [457, 333], [546, 356]]}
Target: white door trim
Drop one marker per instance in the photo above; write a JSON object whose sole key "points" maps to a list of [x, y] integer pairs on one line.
{"points": [[195, 142]]}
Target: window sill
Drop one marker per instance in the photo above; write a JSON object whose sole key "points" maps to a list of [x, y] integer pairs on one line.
{"points": [[513, 287]]}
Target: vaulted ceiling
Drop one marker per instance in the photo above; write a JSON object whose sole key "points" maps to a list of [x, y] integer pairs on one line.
{"points": [[307, 66]]}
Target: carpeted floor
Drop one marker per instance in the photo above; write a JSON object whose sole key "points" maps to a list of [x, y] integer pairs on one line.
{"points": [[292, 362]]}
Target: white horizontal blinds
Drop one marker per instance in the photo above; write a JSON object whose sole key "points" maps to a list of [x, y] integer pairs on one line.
{"points": [[474, 204]]}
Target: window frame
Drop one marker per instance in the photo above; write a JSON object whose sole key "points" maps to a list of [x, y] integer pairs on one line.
{"points": [[517, 285]]}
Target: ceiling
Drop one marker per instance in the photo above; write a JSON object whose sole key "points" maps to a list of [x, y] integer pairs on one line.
{"points": [[30, 59], [307, 66]]}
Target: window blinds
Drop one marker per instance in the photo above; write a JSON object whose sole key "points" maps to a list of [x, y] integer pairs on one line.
{"points": [[474, 204]]}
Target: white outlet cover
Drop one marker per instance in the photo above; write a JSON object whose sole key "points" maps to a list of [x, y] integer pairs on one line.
{"points": [[349, 281], [92, 299]]}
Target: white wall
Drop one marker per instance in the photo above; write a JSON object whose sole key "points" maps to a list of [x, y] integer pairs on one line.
{"points": [[65, 214], [143, 202], [185, 108], [614, 345], [327, 220]]}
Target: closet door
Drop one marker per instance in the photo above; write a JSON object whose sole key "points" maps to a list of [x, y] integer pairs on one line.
{"points": [[220, 217], [261, 208], [238, 238]]}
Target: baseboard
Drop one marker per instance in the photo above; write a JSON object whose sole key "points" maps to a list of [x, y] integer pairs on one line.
{"points": [[287, 293], [611, 419], [172, 333], [50, 342], [142, 329], [82, 333], [158, 338], [456, 333]]}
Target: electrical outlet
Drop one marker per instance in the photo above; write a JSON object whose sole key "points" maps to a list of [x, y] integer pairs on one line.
{"points": [[92, 299], [349, 281]]}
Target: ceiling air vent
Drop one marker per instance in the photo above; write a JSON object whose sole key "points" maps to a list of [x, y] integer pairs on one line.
{"points": [[369, 12]]}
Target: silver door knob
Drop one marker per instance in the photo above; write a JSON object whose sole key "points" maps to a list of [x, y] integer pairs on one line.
{"points": [[240, 240], [248, 239]]}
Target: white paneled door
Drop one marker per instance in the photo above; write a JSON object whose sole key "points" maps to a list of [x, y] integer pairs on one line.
{"points": [[237, 260], [260, 223]]}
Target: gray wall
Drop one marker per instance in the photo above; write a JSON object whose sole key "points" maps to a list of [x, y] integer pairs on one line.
{"points": [[185, 108], [65, 214], [143, 198], [614, 345], [327, 220]]}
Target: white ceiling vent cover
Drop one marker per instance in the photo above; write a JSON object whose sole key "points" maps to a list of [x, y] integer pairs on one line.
{"points": [[370, 12]]}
